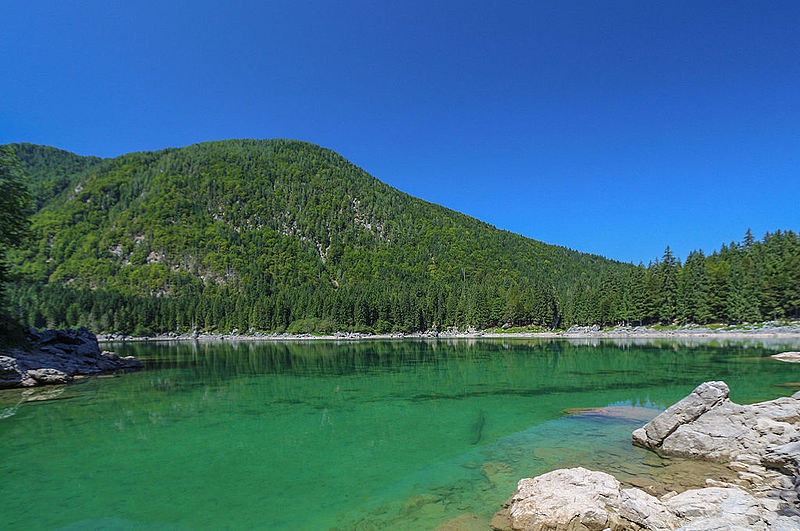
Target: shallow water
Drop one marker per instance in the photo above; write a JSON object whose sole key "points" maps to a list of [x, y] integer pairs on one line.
{"points": [[404, 434]]}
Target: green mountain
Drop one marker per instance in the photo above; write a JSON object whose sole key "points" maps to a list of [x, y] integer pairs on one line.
{"points": [[50, 171], [278, 235], [265, 233]]}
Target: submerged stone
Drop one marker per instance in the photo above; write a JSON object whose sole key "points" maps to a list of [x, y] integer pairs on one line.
{"points": [[791, 357]]}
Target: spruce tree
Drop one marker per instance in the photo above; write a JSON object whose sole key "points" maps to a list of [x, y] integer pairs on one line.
{"points": [[667, 275], [695, 304]]}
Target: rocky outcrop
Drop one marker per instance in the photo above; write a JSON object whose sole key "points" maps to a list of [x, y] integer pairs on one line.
{"points": [[702, 399], [783, 457], [728, 508], [581, 499], [760, 442], [707, 425], [56, 356], [578, 498]]}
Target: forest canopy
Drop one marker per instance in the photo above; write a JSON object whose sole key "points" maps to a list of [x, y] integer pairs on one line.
{"points": [[281, 235]]}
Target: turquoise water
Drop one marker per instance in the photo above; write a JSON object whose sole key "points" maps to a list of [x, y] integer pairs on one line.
{"points": [[404, 434]]}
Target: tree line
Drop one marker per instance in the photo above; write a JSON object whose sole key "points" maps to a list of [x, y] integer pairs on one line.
{"points": [[280, 235], [742, 282]]}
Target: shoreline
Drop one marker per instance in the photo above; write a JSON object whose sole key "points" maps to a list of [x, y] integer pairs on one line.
{"points": [[58, 357], [612, 334]]}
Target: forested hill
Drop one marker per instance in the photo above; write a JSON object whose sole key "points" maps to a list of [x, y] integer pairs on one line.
{"points": [[262, 223], [281, 211], [276, 235], [50, 171]]}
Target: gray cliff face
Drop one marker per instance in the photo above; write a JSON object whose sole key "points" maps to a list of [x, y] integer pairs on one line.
{"points": [[56, 356], [760, 442]]}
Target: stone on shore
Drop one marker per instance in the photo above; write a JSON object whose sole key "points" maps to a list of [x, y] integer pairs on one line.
{"points": [[783, 457], [56, 356], [727, 508], [760, 442], [701, 400], [707, 425], [581, 499], [465, 522], [578, 498]]}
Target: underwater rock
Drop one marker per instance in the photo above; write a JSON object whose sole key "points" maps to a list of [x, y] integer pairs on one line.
{"points": [[465, 522], [791, 357]]}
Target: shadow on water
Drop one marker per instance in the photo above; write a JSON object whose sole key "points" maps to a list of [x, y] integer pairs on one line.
{"points": [[477, 428]]}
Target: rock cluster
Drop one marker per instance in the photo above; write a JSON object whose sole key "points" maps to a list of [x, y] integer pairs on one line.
{"points": [[595, 499], [760, 442], [707, 425], [56, 356], [765, 329], [581, 499]]}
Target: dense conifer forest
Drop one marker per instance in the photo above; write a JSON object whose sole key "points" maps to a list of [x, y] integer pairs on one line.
{"points": [[281, 235]]}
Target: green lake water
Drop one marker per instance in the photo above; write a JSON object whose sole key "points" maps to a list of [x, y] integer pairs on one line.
{"points": [[317, 435]]}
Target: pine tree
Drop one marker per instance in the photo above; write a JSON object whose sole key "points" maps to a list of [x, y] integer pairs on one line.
{"points": [[718, 272], [694, 289], [635, 295], [748, 239], [667, 277]]}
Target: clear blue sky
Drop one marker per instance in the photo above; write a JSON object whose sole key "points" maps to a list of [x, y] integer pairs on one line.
{"points": [[610, 127]]}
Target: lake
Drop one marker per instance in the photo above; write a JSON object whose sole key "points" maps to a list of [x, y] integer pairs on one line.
{"points": [[351, 435]]}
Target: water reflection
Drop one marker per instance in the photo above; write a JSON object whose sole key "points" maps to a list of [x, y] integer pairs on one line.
{"points": [[463, 368], [383, 433]]}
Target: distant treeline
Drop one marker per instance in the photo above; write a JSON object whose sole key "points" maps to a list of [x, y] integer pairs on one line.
{"points": [[742, 282], [747, 281]]}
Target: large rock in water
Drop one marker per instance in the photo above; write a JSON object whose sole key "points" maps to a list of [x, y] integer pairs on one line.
{"points": [[577, 498], [702, 399], [707, 425], [580, 499], [56, 356], [760, 441]]}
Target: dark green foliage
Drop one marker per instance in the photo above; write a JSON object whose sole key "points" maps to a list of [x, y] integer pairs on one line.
{"points": [[273, 234], [269, 212], [14, 200], [667, 280], [694, 299], [50, 171], [14, 212], [282, 235]]}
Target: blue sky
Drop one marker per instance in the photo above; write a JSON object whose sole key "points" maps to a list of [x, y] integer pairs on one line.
{"points": [[605, 126]]}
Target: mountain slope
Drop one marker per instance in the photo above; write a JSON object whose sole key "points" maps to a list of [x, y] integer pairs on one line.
{"points": [[264, 220], [50, 171], [231, 209]]}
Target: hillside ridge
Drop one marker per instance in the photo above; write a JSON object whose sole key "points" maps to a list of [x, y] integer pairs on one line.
{"points": [[284, 235]]}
